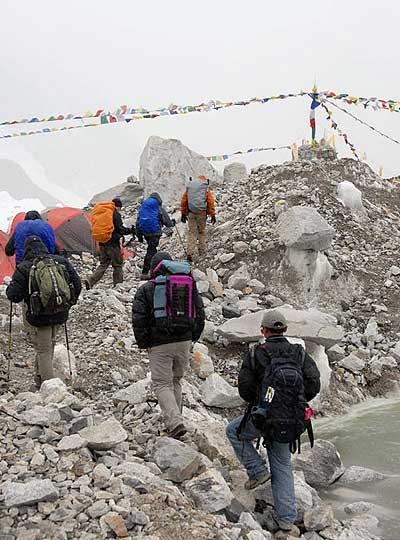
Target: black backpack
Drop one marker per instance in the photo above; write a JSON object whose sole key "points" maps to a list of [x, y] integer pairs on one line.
{"points": [[280, 414]]}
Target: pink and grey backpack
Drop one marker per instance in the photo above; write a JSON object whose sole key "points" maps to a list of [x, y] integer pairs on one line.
{"points": [[173, 303]]}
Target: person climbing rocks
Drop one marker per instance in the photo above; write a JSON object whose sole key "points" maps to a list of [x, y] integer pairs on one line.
{"points": [[167, 333], [151, 219], [49, 286], [276, 379], [32, 225], [108, 229], [196, 204]]}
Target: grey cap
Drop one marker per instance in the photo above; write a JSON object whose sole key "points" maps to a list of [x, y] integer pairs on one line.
{"points": [[274, 320]]}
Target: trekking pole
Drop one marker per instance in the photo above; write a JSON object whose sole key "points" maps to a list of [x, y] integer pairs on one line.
{"points": [[68, 353], [9, 343], [180, 239]]}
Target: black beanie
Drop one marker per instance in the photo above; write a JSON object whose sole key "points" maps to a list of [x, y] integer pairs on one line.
{"points": [[117, 201]]}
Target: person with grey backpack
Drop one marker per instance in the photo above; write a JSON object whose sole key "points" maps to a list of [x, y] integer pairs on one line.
{"points": [[196, 204], [49, 286]]}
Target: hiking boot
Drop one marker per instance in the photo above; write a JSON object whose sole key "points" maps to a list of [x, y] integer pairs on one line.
{"points": [[286, 530], [189, 258], [87, 285], [178, 432], [252, 483]]}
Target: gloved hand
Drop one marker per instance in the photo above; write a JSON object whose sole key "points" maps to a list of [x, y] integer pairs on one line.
{"points": [[213, 220], [184, 218], [173, 221]]}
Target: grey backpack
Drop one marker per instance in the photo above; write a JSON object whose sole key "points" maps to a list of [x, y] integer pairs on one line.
{"points": [[197, 195]]}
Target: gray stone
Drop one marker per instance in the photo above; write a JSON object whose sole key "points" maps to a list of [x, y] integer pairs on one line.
{"points": [[135, 393], [209, 332], [202, 286], [240, 278], [257, 286], [352, 363], [336, 353], [71, 442], [226, 257], [41, 416], [216, 392], [355, 474], [302, 227], [359, 507], [177, 460], [201, 364], [318, 518], [128, 192], [321, 464], [233, 172], [230, 311], [104, 436], [234, 511], [311, 325], [64, 364], [240, 247], [166, 166], [247, 522], [209, 491], [98, 509], [28, 493]]}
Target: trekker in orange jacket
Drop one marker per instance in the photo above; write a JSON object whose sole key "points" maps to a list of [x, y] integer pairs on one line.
{"points": [[196, 204]]}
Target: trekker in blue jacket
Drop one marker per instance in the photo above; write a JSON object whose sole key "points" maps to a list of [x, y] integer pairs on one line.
{"points": [[151, 218], [33, 225]]}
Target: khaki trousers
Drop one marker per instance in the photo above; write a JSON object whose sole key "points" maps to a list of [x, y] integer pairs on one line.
{"points": [[196, 233], [168, 364], [108, 255], [43, 339]]}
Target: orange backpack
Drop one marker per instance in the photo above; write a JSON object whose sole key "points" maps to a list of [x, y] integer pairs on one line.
{"points": [[102, 221]]}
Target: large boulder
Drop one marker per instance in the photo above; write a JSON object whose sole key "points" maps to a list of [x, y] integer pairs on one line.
{"points": [[22, 494], [104, 436], [234, 172], [310, 325], [64, 363], [350, 196], [216, 392], [321, 464], [166, 165], [128, 192], [302, 227], [209, 491], [355, 474], [177, 460]]}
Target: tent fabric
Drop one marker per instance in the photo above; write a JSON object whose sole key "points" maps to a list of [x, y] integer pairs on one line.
{"points": [[7, 265], [72, 229]]}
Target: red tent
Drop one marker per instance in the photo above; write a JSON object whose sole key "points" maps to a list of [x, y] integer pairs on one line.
{"points": [[6, 265], [71, 228]]}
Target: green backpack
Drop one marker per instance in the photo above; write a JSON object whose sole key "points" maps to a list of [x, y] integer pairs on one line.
{"points": [[50, 290]]}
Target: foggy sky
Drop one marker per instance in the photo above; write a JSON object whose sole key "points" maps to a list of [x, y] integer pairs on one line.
{"points": [[75, 55]]}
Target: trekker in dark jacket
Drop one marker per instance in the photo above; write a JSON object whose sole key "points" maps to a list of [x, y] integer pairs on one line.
{"points": [[168, 350], [111, 252], [32, 225], [241, 432], [42, 329], [152, 217]]}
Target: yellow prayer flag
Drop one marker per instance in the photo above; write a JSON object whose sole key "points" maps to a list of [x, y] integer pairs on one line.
{"points": [[380, 171]]}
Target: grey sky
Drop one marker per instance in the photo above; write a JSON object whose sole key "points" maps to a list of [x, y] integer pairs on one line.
{"points": [[70, 56]]}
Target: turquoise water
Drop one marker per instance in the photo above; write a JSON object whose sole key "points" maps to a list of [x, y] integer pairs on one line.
{"points": [[369, 436]]}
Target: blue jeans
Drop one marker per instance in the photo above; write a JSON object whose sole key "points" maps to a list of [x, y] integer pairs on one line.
{"points": [[280, 465]]}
